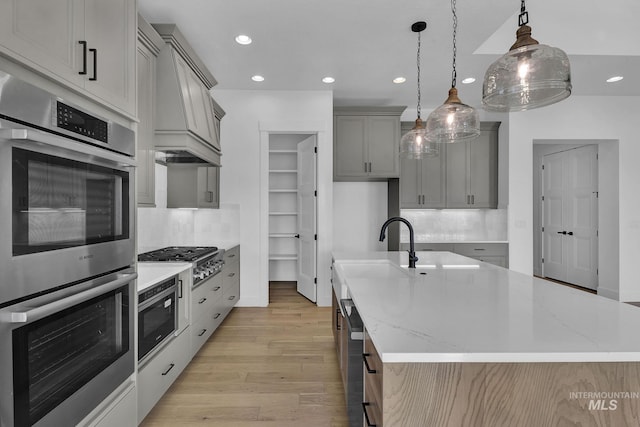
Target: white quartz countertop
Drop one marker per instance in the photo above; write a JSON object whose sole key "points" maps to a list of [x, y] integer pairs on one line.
{"points": [[456, 309], [150, 273]]}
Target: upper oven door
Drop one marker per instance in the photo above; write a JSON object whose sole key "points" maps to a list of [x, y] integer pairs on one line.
{"points": [[71, 211]]}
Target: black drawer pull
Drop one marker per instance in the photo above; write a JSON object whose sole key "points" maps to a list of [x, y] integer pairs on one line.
{"points": [[366, 363], [202, 301], [232, 297], [338, 327], [216, 316], [217, 288], [232, 274], [366, 416], [478, 249], [202, 332], [170, 368], [95, 64], [232, 255], [84, 57]]}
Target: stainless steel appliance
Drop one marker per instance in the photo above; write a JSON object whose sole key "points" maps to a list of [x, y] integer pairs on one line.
{"points": [[354, 382], [64, 352], [67, 185], [157, 316], [207, 261]]}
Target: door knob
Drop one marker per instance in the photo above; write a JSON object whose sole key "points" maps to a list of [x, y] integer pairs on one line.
{"points": [[297, 236], [570, 233], [563, 232]]}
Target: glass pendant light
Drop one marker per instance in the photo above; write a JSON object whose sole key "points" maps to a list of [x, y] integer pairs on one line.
{"points": [[530, 75], [453, 121], [413, 144]]}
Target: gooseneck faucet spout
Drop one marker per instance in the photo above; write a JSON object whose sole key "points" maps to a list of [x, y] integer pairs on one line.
{"points": [[412, 253]]}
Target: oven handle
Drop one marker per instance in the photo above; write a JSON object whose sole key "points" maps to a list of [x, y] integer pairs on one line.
{"points": [[59, 305], [66, 144]]}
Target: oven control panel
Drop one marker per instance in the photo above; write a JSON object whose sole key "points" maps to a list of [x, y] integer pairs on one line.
{"points": [[207, 267], [156, 289]]}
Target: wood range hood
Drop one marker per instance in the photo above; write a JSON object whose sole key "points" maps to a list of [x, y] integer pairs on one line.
{"points": [[187, 117]]}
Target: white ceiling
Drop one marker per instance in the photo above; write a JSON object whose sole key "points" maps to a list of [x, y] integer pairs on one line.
{"points": [[364, 44]]}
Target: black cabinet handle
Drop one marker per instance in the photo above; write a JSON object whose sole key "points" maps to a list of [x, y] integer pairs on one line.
{"points": [[231, 274], [232, 297], [84, 57], [216, 316], [95, 64], [170, 368], [232, 255], [338, 327], [217, 288], [202, 332], [297, 236], [366, 363], [562, 232], [570, 233], [366, 416], [202, 301]]}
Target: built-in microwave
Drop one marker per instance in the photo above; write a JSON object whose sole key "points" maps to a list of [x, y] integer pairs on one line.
{"points": [[157, 316], [67, 185]]}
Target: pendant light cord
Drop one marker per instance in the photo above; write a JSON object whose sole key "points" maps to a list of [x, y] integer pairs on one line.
{"points": [[455, 29], [523, 18], [418, 62]]}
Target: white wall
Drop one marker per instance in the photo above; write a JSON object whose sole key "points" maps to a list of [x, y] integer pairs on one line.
{"points": [[250, 117], [587, 118]]}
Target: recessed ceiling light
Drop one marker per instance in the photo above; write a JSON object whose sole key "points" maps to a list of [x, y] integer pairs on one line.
{"points": [[614, 79], [328, 79], [468, 80], [243, 39], [257, 78], [399, 80]]}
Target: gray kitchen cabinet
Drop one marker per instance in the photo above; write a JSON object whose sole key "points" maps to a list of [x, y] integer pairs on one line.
{"points": [[230, 280], [149, 45], [423, 182], [492, 253], [366, 143], [472, 170], [45, 36], [157, 375], [190, 186]]}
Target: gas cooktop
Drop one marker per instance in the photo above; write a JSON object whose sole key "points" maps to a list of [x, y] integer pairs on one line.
{"points": [[178, 253]]}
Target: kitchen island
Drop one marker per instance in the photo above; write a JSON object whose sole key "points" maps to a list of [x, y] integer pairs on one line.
{"points": [[459, 342]]}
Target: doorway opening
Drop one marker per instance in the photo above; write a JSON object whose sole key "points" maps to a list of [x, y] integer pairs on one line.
{"points": [[566, 211], [292, 212]]}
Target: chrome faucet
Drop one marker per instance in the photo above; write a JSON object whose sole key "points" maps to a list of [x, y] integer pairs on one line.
{"points": [[412, 253]]}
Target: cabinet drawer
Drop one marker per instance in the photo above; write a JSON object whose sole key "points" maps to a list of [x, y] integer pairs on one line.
{"points": [[203, 297], [232, 254], [159, 373], [372, 405], [231, 294], [480, 249], [200, 333]]}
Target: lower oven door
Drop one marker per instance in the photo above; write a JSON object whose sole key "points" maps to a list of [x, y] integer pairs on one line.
{"points": [[64, 353]]}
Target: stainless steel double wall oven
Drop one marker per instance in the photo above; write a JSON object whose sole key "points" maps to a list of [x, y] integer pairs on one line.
{"points": [[67, 250]]}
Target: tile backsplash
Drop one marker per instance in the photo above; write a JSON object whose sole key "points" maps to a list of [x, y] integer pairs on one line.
{"points": [[455, 225], [160, 226]]}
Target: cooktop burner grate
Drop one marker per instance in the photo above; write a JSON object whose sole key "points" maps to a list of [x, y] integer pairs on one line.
{"points": [[177, 253]]}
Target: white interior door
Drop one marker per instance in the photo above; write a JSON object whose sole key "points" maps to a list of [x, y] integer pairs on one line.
{"points": [[570, 216], [307, 218]]}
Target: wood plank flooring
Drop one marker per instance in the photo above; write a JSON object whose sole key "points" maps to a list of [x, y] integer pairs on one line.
{"points": [[273, 366]]}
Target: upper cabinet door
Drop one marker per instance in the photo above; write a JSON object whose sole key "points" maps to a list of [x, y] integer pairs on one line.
{"points": [[457, 175], [410, 183], [87, 45], [110, 29], [349, 154], [383, 142], [44, 35], [434, 193], [483, 170]]}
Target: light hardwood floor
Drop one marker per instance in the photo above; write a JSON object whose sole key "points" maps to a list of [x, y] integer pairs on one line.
{"points": [[273, 366]]}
